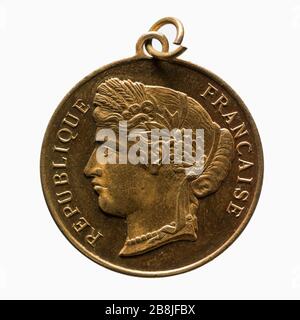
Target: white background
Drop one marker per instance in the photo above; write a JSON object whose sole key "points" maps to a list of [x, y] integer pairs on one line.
{"points": [[48, 46]]}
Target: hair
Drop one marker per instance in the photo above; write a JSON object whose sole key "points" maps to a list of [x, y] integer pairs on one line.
{"points": [[148, 107]]}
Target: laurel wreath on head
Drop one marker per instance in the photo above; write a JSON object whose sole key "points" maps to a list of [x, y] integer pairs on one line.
{"points": [[118, 100]]}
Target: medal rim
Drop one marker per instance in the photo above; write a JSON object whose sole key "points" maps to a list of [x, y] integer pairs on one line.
{"points": [[135, 272]]}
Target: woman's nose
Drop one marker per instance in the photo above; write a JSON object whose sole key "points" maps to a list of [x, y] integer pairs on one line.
{"points": [[92, 167]]}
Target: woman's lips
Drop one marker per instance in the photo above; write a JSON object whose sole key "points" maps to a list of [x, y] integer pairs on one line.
{"points": [[97, 186]]}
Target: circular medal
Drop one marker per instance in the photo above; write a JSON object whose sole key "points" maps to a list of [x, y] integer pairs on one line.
{"points": [[151, 165]]}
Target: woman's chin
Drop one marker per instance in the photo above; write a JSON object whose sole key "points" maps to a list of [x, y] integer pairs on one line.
{"points": [[107, 206]]}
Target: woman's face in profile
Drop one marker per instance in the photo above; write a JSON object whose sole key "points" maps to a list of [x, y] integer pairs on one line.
{"points": [[121, 188]]}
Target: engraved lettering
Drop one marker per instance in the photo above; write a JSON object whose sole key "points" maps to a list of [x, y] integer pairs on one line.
{"points": [[71, 120], [229, 116], [66, 135], [220, 102], [60, 149], [80, 224], [234, 209], [240, 194], [211, 90], [81, 106], [242, 144], [60, 165], [61, 178], [241, 130], [69, 212], [245, 164], [246, 180], [93, 237], [65, 197]]}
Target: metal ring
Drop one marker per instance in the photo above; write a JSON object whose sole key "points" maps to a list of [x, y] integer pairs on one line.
{"points": [[178, 39], [149, 36]]}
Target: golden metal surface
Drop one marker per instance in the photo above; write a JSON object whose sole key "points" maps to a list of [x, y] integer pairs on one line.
{"points": [[152, 220], [178, 39], [151, 35]]}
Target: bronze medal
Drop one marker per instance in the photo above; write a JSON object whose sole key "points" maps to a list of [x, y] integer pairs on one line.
{"points": [[138, 207]]}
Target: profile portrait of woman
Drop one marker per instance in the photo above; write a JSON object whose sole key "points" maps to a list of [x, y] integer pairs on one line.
{"points": [[160, 202]]}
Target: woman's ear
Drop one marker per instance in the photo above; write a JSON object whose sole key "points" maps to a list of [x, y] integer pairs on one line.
{"points": [[219, 167]]}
